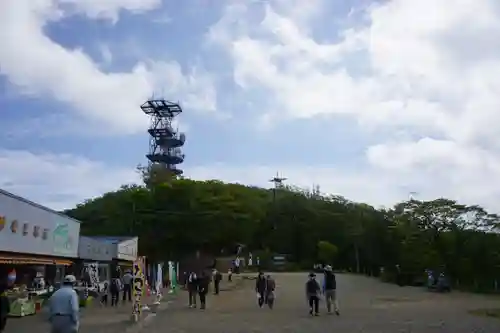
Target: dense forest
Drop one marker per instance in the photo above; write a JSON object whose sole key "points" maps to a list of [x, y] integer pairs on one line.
{"points": [[174, 217]]}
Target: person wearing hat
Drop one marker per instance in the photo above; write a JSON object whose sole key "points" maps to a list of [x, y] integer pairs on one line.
{"points": [[313, 291], [64, 308], [330, 290]]}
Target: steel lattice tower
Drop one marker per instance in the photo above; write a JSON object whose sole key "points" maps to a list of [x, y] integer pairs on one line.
{"points": [[165, 142]]}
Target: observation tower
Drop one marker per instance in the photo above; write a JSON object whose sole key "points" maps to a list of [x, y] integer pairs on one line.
{"points": [[165, 142]]}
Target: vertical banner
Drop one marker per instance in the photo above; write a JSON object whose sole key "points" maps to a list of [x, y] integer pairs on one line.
{"points": [[138, 287], [172, 277], [159, 278], [94, 275]]}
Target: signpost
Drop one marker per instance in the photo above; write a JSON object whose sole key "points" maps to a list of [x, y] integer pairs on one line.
{"points": [[138, 288]]}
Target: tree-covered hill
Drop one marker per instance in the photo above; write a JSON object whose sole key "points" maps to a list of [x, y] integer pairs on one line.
{"points": [[181, 215]]}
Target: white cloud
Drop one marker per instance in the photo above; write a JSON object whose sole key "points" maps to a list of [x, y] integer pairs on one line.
{"points": [[40, 66], [59, 181], [427, 71], [429, 68]]}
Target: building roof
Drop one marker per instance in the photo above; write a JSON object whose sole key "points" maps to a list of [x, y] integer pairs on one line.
{"points": [[112, 239], [34, 204]]}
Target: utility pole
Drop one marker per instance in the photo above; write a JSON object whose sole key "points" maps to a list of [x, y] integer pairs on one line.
{"points": [[278, 183]]}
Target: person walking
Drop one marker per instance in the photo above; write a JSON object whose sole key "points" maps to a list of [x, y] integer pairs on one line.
{"points": [[330, 290], [217, 280], [64, 308], [192, 286], [312, 294], [4, 300], [260, 288], [269, 293], [104, 294], [127, 280], [229, 274], [114, 290], [203, 283]]}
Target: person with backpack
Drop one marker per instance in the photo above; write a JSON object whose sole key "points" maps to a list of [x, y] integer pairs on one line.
{"points": [[114, 290], [330, 290], [313, 291]]}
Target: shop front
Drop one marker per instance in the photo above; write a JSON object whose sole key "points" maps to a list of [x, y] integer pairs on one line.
{"points": [[37, 245], [95, 258], [123, 251]]}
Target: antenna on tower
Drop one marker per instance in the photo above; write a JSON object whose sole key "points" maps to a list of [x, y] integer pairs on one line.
{"points": [[277, 180]]}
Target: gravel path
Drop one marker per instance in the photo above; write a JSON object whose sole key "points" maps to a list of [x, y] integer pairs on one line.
{"points": [[366, 306]]}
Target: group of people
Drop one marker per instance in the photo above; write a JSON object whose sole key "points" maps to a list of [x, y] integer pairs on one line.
{"points": [[265, 287], [328, 289], [197, 287], [115, 286]]}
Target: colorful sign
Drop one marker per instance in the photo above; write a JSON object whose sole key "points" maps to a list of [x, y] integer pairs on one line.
{"points": [[63, 242], [138, 286], [29, 228]]}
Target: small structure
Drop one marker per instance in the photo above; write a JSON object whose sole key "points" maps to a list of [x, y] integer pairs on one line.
{"points": [[36, 238], [123, 249]]}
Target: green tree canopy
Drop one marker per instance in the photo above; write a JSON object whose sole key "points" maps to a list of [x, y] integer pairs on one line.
{"points": [[173, 217]]}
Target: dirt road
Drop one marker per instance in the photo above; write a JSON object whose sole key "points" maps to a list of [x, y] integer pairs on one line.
{"points": [[366, 306]]}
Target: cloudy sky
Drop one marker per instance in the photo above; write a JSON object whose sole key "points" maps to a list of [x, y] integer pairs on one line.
{"points": [[369, 99]]}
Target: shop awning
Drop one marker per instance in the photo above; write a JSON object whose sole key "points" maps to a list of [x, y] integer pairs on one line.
{"points": [[25, 260]]}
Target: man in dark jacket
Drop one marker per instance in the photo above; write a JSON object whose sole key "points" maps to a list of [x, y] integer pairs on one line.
{"points": [[4, 303], [192, 286], [203, 283], [217, 280], [330, 290], [260, 288], [270, 287], [312, 294]]}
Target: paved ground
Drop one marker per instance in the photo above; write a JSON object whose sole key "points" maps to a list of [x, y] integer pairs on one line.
{"points": [[366, 306], [94, 319]]}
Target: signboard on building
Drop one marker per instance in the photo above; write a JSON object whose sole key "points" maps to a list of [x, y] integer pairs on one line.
{"points": [[127, 249], [95, 249], [26, 227]]}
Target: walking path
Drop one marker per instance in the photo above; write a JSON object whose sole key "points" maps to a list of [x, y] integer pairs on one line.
{"points": [[367, 305]]}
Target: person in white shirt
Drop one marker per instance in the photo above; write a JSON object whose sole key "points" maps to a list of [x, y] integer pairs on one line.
{"points": [[127, 286], [64, 308]]}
